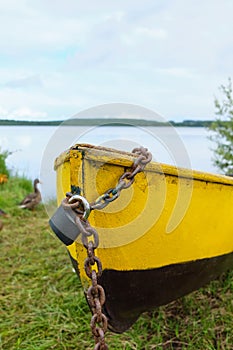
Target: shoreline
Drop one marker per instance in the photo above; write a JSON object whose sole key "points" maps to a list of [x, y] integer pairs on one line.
{"points": [[105, 121]]}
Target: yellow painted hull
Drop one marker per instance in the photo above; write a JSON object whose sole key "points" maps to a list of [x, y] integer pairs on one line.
{"points": [[168, 218]]}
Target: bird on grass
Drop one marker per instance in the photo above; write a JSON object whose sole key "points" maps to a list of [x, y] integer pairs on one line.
{"points": [[32, 199]]}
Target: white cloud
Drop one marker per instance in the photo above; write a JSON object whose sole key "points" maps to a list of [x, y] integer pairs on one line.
{"points": [[178, 72], [26, 28], [116, 16], [3, 112], [60, 57], [25, 83], [24, 113], [152, 32]]}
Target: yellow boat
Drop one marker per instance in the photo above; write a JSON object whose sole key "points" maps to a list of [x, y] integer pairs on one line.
{"points": [[167, 234]]}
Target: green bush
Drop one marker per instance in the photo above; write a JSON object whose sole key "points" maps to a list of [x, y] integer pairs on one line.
{"points": [[222, 128], [14, 190], [3, 167]]}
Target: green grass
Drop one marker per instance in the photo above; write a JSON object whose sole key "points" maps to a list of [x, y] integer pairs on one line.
{"points": [[12, 192], [43, 306]]}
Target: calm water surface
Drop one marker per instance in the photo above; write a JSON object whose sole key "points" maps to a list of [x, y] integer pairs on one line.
{"points": [[34, 148]]}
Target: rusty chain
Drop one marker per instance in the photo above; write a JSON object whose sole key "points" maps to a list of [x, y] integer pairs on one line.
{"points": [[125, 181], [90, 240], [92, 266]]}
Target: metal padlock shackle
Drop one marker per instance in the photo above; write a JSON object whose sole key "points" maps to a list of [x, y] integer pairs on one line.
{"points": [[63, 221], [86, 206]]}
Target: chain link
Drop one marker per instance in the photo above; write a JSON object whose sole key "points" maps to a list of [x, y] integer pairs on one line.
{"points": [[92, 266], [90, 240], [125, 181]]}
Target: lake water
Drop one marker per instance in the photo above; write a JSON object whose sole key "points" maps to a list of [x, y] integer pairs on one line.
{"points": [[34, 148]]}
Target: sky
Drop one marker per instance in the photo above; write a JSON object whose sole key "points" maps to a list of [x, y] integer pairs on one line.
{"points": [[58, 58]]}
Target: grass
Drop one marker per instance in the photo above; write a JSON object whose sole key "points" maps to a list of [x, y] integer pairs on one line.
{"points": [[43, 307], [12, 192]]}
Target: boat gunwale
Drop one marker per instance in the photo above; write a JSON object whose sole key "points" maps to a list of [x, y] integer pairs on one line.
{"points": [[125, 159]]}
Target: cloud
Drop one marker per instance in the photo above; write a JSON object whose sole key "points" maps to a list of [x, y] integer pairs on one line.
{"points": [[27, 30], [178, 72], [60, 57], [24, 113], [25, 83], [3, 112], [154, 33]]}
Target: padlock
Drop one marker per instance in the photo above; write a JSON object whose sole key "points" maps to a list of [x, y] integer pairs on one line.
{"points": [[63, 221]]}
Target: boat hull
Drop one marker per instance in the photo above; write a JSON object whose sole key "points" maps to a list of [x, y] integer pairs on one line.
{"points": [[167, 235]]}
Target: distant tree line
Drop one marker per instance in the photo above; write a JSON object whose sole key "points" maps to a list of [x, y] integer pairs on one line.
{"points": [[29, 123], [104, 121]]}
